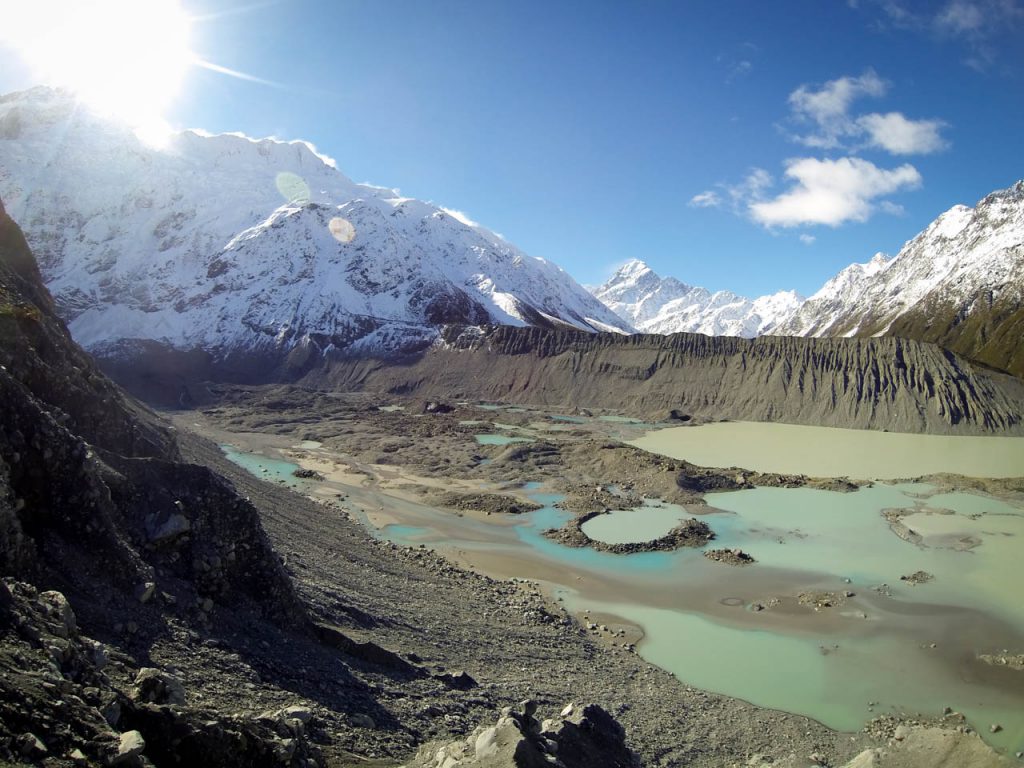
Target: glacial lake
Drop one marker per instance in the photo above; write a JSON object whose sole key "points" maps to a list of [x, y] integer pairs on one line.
{"points": [[831, 452]]}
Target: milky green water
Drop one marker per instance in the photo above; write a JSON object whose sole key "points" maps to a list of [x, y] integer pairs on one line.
{"points": [[876, 651], [829, 452], [274, 470], [646, 523], [839, 682], [884, 655]]}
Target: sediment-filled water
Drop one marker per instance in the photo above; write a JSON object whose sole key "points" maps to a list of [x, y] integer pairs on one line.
{"points": [[888, 646], [831, 452]]}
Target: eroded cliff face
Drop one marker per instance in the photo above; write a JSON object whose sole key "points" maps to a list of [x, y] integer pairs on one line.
{"points": [[885, 383]]}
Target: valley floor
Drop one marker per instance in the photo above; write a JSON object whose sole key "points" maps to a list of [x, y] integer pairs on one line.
{"points": [[464, 609]]}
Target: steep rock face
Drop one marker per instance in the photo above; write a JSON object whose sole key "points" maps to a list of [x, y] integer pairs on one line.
{"points": [[887, 383], [94, 498], [960, 283], [655, 304], [227, 244]]}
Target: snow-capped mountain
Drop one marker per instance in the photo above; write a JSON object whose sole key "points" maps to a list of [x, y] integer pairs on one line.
{"points": [[819, 313], [656, 304], [959, 283], [228, 243]]}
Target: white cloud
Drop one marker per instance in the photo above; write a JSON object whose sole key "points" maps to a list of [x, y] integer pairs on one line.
{"points": [[893, 209], [706, 199], [829, 107], [960, 17], [752, 188], [807, 239], [738, 196], [896, 134], [832, 192], [460, 216]]}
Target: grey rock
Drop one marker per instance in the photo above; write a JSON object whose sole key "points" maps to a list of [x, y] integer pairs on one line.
{"points": [[30, 745], [60, 608], [129, 749], [145, 591], [157, 687], [176, 525], [359, 720]]}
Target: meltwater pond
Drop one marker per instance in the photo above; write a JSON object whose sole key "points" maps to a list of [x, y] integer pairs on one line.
{"points": [[894, 646], [276, 470], [628, 526]]}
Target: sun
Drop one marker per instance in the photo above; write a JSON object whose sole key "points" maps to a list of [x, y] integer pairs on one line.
{"points": [[125, 58]]}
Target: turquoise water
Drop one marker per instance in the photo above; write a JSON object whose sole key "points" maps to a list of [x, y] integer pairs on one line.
{"points": [[811, 539], [496, 439], [844, 534], [831, 679], [263, 467], [570, 419], [406, 533], [530, 532]]}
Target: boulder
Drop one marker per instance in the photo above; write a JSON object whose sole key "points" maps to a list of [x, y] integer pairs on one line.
{"points": [[130, 749], [157, 687], [580, 737]]}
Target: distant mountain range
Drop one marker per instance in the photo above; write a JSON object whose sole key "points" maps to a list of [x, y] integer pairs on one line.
{"points": [[655, 304], [960, 283], [230, 244], [262, 253]]}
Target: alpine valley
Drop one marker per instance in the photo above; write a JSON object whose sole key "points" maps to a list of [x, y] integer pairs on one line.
{"points": [[296, 471]]}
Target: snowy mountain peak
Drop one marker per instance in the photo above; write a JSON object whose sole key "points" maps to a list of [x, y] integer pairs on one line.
{"points": [[877, 263], [632, 269], [224, 242], [665, 305]]}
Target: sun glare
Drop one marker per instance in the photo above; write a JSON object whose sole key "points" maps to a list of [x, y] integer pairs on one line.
{"points": [[126, 58]]}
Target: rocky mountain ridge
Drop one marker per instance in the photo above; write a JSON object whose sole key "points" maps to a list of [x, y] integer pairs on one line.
{"points": [[229, 244], [959, 283], [886, 384]]}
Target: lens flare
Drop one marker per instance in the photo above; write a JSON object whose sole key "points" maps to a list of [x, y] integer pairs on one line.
{"points": [[293, 188], [342, 229]]}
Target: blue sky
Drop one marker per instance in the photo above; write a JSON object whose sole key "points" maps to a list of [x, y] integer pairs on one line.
{"points": [[754, 146]]}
